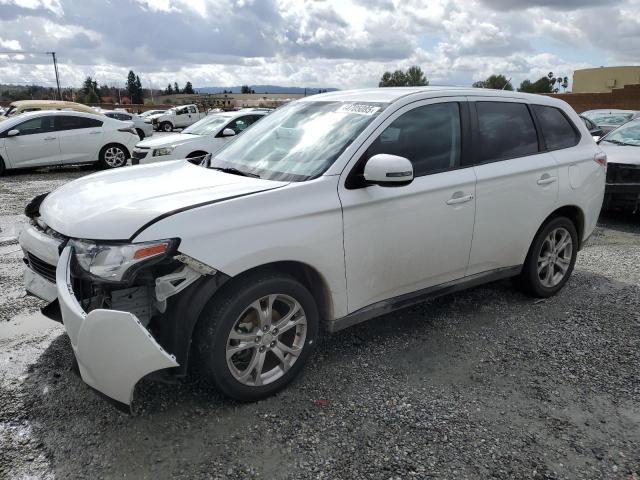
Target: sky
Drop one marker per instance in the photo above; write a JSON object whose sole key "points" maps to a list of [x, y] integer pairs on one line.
{"points": [[321, 43]]}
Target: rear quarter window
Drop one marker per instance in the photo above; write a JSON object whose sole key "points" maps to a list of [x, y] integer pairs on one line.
{"points": [[557, 129], [505, 130]]}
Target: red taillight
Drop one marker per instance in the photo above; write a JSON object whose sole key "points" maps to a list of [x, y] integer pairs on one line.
{"points": [[601, 159]]}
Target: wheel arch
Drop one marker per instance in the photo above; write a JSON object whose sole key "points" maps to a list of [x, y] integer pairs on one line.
{"points": [[197, 153], [573, 213], [310, 277]]}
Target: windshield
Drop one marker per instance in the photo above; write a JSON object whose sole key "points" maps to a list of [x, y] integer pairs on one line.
{"points": [[628, 134], [206, 126], [609, 118], [298, 141]]}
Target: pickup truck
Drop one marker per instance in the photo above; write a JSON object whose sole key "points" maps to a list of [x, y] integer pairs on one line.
{"points": [[177, 117]]}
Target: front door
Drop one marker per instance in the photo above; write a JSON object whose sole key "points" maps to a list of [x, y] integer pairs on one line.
{"points": [[37, 144], [399, 240]]}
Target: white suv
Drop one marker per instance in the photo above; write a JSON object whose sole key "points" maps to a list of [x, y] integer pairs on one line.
{"points": [[332, 210]]}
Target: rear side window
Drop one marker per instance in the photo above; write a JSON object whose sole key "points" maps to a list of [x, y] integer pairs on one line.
{"points": [[65, 122], [506, 130], [557, 130], [428, 136]]}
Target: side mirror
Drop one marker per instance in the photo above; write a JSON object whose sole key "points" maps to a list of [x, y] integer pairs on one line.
{"points": [[388, 170], [13, 133], [228, 132]]}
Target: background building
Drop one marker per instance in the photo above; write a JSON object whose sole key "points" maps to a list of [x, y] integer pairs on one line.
{"points": [[604, 79]]}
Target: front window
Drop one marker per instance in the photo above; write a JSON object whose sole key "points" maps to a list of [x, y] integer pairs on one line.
{"points": [[11, 111], [206, 126], [298, 141], [628, 134]]}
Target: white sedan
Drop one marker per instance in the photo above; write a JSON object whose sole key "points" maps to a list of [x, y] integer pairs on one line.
{"points": [[205, 136], [55, 137]]}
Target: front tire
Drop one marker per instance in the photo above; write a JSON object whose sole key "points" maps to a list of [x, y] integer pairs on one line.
{"points": [[255, 336], [166, 127], [551, 258], [113, 156]]}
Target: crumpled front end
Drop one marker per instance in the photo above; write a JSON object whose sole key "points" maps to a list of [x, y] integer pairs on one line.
{"points": [[113, 349]]}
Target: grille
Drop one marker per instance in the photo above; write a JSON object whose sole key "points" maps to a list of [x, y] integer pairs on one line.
{"points": [[619, 173], [41, 267], [139, 155]]}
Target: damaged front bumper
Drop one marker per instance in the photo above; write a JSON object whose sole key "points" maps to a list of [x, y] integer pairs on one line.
{"points": [[113, 349]]}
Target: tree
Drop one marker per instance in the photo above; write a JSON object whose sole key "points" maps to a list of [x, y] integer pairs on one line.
{"points": [[245, 89], [413, 77], [176, 89], [188, 89], [478, 84], [89, 91], [168, 90], [139, 97], [498, 82], [542, 85]]}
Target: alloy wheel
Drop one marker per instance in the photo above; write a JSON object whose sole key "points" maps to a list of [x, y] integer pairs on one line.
{"points": [[554, 258], [266, 340], [114, 157]]}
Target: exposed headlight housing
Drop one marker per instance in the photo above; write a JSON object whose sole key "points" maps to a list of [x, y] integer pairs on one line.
{"points": [[158, 152], [118, 262]]}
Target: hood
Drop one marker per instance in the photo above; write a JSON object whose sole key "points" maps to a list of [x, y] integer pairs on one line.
{"points": [[114, 205], [621, 154], [155, 115], [166, 141]]}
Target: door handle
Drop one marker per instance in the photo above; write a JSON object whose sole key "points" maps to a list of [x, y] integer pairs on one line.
{"points": [[94, 133], [50, 138], [546, 179], [459, 197]]}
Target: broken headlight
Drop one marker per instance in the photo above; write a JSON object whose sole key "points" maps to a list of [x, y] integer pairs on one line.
{"points": [[118, 262]]}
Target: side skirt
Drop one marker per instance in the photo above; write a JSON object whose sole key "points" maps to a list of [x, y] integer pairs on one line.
{"points": [[396, 303]]}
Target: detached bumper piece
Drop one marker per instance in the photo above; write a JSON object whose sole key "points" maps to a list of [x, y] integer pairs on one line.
{"points": [[113, 349]]}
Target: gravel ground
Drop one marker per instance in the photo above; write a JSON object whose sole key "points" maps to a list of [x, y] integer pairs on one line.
{"points": [[486, 383]]}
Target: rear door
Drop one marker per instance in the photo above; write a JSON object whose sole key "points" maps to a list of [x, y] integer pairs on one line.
{"points": [[37, 144], [517, 183], [80, 138]]}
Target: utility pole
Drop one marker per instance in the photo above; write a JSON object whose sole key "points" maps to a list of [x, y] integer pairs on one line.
{"points": [[55, 68]]}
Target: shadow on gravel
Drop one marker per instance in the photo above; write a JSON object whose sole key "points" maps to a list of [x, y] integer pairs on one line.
{"points": [[484, 383]]}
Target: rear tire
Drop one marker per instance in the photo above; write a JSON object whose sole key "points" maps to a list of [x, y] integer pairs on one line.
{"points": [[551, 258], [113, 155], [166, 127], [256, 334]]}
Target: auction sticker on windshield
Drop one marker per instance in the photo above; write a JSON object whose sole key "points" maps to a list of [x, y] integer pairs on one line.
{"points": [[359, 108]]}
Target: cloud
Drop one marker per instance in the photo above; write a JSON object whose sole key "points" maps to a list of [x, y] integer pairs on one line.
{"points": [[342, 43]]}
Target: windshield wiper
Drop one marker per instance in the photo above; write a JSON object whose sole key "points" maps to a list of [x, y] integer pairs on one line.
{"points": [[235, 171]]}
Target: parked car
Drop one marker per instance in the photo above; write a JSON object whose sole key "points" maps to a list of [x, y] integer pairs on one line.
{"points": [[609, 120], [622, 147], [177, 117], [23, 106], [334, 209], [151, 112], [595, 131], [42, 138], [205, 136], [143, 129]]}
